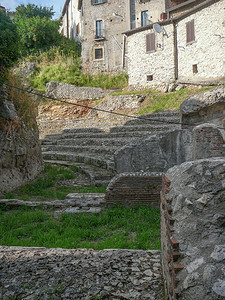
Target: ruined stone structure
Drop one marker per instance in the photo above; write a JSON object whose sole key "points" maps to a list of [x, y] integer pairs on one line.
{"points": [[20, 156], [134, 189], [193, 236], [177, 146], [187, 47]]}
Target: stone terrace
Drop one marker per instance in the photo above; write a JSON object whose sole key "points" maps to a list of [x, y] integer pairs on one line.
{"points": [[91, 143], [40, 273]]}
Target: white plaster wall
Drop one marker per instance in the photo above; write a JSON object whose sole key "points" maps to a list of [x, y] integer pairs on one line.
{"points": [[160, 63], [208, 50], [74, 17]]}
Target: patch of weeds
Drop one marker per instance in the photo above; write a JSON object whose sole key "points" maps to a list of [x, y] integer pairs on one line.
{"points": [[105, 230], [158, 101], [46, 186]]}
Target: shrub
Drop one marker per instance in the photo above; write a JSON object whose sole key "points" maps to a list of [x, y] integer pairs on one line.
{"points": [[8, 41]]}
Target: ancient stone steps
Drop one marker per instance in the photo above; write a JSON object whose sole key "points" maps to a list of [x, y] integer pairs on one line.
{"points": [[97, 176], [103, 142], [103, 162], [93, 148], [148, 127], [80, 149]]}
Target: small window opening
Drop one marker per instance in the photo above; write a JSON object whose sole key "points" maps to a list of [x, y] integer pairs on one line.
{"points": [[98, 53], [149, 77], [195, 69]]}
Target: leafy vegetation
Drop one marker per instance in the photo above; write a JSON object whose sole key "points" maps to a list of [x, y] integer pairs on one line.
{"points": [[58, 65], [25, 105], [47, 186], [158, 101], [8, 41], [120, 227], [36, 29]]}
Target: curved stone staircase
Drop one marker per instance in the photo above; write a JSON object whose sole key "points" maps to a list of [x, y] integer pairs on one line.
{"points": [[91, 144]]}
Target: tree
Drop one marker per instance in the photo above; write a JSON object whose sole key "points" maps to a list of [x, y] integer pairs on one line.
{"points": [[36, 29], [8, 41], [32, 10]]}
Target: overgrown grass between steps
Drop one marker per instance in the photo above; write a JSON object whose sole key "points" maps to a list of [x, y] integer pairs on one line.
{"points": [[47, 186]]}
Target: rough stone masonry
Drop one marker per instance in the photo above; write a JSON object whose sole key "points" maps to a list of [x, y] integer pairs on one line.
{"points": [[40, 273], [193, 236]]}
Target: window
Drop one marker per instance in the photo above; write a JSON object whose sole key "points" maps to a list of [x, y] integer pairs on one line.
{"points": [[99, 28], [94, 2], [144, 18], [195, 69], [150, 42], [98, 53], [190, 32], [149, 77], [77, 29]]}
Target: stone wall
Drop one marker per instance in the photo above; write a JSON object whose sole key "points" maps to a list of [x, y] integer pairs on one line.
{"points": [[134, 189], [154, 8], [40, 273], [192, 230], [174, 58], [20, 151], [114, 20], [68, 91], [159, 64], [207, 51]]}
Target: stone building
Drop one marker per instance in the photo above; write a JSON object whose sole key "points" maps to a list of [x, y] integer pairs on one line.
{"points": [[99, 24], [188, 47]]}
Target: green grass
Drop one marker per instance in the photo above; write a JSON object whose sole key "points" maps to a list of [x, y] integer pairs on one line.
{"points": [[47, 187], [158, 101], [119, 227]]}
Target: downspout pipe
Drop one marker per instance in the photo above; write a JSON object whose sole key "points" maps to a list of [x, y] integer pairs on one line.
{"points": [[175, 50]]}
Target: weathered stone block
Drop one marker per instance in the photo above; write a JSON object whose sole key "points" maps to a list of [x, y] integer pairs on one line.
{"points": [[198, 211], [68, 91]]}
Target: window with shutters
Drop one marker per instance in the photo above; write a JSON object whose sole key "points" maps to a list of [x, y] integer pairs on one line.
{"points": [[190, 32], [98, 53], [94, 2], [150, 42], [144, 18]]}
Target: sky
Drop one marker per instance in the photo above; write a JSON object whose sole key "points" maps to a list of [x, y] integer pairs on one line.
{"points": [[57, 4]]}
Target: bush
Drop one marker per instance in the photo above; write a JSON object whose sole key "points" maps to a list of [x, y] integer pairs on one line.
{"points": [[8, 41]]}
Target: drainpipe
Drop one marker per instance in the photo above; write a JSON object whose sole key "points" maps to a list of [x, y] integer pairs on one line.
{"points": [[175, 50], [124, 51], [67, 20]]}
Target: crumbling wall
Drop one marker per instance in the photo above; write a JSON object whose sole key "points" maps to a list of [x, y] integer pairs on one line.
{"points": [[207, 107], [134, 189], [159, 152], [20, 151], [192, 230]]}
